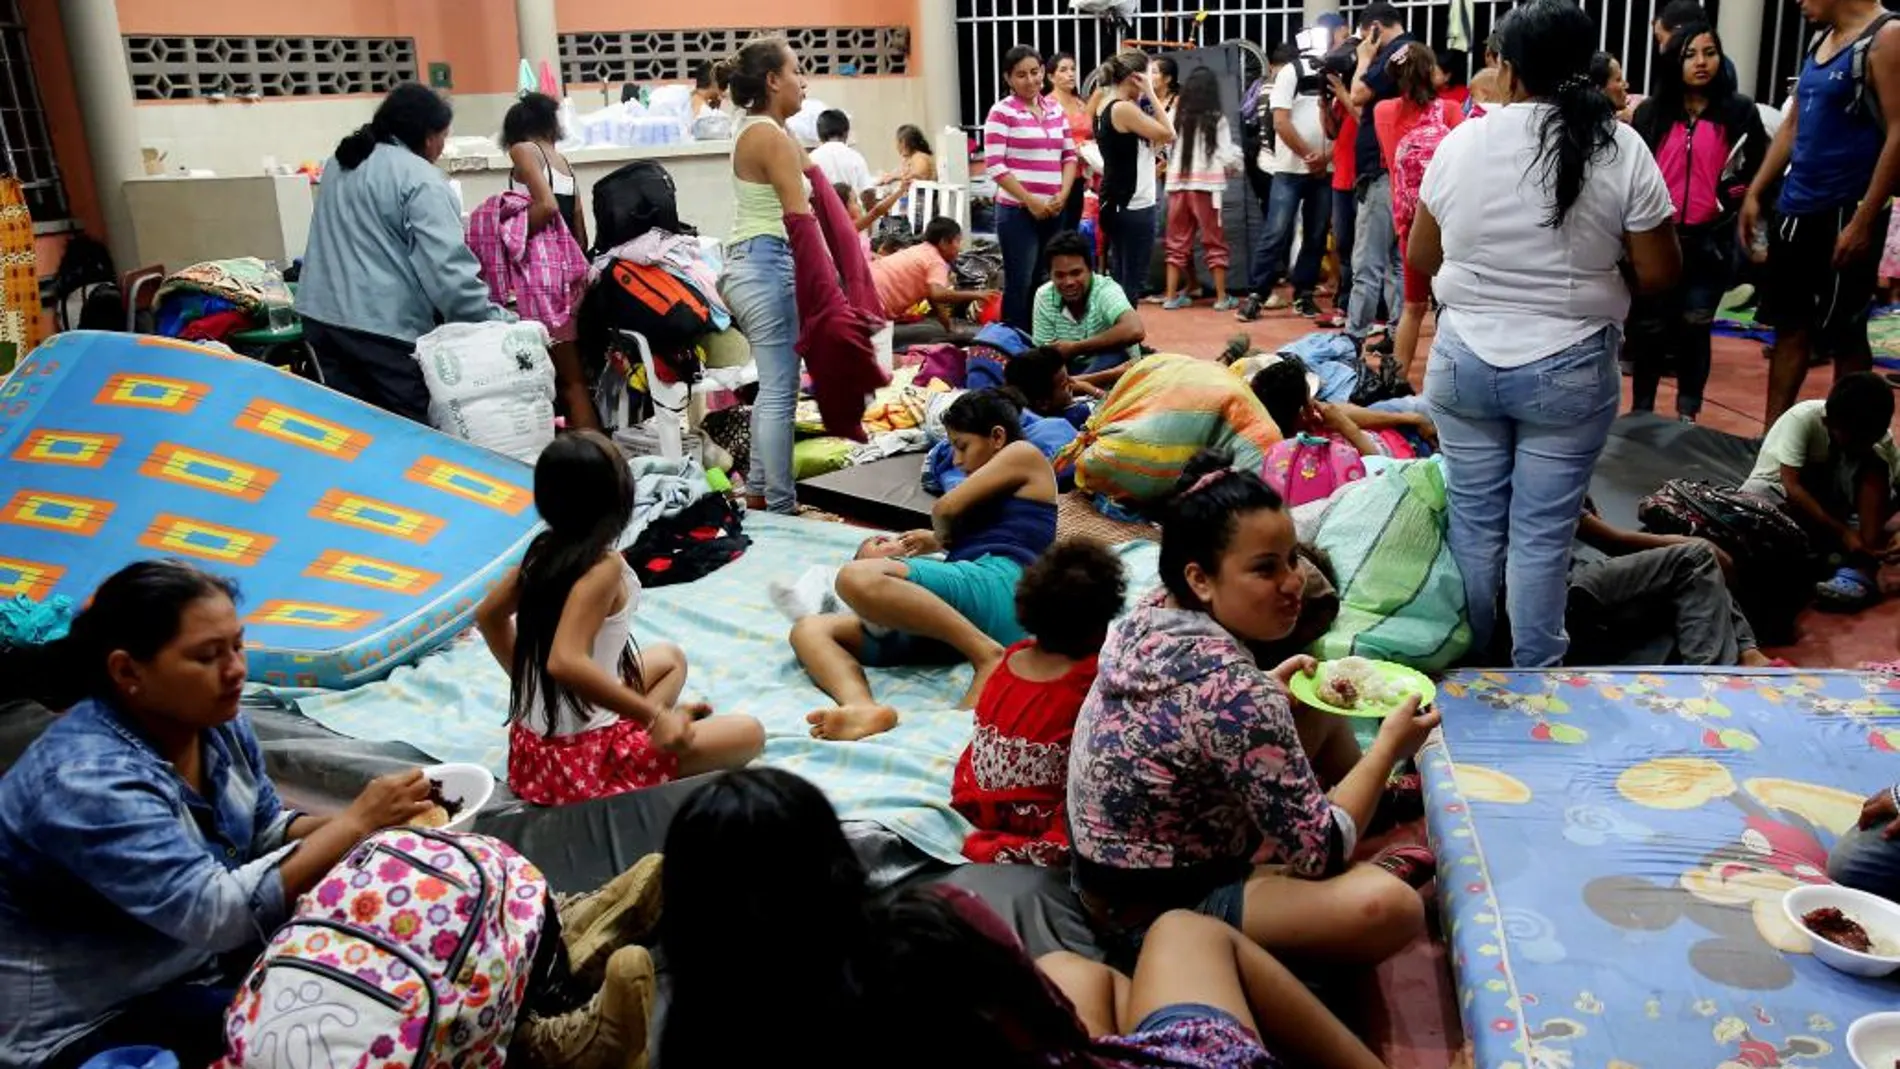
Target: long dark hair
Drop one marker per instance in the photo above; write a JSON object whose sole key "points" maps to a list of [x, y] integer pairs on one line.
{"points": [[1197, 117], [535, 117], [912, 138], [894, 969], [1670, 91], [137, 609], [1199, 521], [1415, 64], [410, 115], [584, 493], [743, 74], [1548, 44]]}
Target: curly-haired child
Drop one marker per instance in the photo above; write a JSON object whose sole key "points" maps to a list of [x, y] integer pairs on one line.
{"points": [[1012, 779]]}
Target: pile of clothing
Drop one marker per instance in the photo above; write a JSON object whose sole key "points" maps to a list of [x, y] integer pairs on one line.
{"points": [[683, 528], [213, 300]]}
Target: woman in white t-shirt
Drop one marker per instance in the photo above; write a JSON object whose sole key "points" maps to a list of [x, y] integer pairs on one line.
{"points": [[1531, 221]]}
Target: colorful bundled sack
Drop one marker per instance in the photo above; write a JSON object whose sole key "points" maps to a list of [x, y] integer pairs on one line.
{"points": [[1307, 468], [1165, 409], [415, 950], [1401, 596]]}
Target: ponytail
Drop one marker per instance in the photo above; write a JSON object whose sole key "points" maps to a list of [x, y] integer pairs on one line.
{"points": [[1548, 44], [409, 116]]}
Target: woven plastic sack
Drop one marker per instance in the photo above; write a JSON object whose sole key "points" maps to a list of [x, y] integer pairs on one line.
{"points": [[1401, 596], [1163, 411]]}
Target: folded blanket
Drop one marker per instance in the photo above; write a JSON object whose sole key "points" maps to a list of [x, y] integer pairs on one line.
{"points": [[834, 336]]}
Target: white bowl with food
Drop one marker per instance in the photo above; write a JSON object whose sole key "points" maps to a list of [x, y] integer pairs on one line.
{"points": [[460, 790], [1874, 1041], [1849, 930]]}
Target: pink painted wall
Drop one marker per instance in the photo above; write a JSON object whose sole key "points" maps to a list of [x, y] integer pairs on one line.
{"points": [[720, 14], [476, 37]]}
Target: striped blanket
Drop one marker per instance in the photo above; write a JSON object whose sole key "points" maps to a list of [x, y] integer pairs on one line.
{"points": [[1163, 411]]}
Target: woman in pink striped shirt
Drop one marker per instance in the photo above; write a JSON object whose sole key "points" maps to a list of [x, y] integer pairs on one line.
{"points": [[1029, 154]]}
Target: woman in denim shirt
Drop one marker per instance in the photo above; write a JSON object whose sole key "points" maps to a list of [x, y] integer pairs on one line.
{"points": [[144, 855]]}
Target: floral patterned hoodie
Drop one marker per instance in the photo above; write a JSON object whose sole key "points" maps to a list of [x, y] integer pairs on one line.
{"points": [[1186, 757]]}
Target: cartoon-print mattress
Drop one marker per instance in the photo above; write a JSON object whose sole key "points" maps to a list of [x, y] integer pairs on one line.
{"points": [[1613, 848], [361, 540]]}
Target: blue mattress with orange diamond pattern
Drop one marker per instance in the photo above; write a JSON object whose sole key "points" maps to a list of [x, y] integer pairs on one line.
{"points": [[1613, 848], [361, 540]]}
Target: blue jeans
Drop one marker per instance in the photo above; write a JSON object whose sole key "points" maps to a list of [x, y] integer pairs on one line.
{"points": [[1375, 260], [1131, 247], [1519, 444], [1866, 862], [758, 289], [1309, 195], [1022, 237], [1345, 222]]}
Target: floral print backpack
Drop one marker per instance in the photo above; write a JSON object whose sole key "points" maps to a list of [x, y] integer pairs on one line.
{"points": [[414, 952]]}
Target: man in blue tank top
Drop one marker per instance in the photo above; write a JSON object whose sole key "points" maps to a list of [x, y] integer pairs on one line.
{"points": [[1840, 147]]}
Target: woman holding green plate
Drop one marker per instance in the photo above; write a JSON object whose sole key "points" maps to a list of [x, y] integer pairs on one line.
{"points": [[1187, 764]]}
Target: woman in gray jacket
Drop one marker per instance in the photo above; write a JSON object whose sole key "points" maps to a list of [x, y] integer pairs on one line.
{"points": [[387, 261]]}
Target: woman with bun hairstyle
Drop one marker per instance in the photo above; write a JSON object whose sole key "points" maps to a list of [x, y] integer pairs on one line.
{"points": [[387, 260], [1186, 763]]}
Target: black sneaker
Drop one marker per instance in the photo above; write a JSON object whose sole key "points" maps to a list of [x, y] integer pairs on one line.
{"points": [[1383, 346], [1304, 305], [1249, 310]]}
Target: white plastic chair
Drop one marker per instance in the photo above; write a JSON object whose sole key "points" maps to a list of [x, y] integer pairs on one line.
{"points": [[928, 200], [678, 407]]}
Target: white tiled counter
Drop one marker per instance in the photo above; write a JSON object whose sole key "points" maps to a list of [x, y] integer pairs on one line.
{"points": [[701, 170]]}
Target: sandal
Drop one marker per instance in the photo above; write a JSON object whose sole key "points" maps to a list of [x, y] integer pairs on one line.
{"points": [[1415, 865], [1849, 591]]}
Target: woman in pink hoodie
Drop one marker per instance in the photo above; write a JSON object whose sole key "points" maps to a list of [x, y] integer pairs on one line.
{"points": [[1186, 765]]}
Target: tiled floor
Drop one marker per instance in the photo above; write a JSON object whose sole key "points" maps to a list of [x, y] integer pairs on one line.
{"points": [[1733, 403]]}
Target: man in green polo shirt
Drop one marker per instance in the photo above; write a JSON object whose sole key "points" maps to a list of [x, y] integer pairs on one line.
{"points": [[1085, 317]]}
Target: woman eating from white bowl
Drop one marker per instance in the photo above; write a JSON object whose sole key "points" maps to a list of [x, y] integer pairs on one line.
{"points": [[141, 841]]}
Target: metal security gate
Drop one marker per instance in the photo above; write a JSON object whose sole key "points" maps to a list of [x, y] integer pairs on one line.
{"points": [[986, 29]]}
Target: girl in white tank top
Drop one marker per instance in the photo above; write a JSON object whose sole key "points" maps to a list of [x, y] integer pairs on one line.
{"points": [[591, 713]]}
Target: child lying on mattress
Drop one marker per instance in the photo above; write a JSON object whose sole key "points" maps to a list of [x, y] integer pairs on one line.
{"points": [[1012, 778], [1397, 427], [992, 526], [590, 714]]}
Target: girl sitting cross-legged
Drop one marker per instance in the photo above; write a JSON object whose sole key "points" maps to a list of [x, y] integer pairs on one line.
{"points": [[591, 715], [1186, 767], [917, 609]]}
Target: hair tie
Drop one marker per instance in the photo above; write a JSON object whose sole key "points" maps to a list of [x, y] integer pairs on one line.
{"points": [[1208, 480], [1574, 82]]}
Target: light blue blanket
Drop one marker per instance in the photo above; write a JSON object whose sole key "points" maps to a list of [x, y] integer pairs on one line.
{"points": [[453, 704]]}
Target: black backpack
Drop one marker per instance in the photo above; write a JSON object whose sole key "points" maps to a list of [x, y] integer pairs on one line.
{"points": [[1769, 548], [86, 290], [633, 200], [1865, 102]]}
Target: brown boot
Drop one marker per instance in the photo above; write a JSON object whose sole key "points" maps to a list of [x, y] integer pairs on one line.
{"points": [[624, 911], [610, 1032]]}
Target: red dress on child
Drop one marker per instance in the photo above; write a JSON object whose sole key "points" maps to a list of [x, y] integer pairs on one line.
{"points": [[1012, 781]]}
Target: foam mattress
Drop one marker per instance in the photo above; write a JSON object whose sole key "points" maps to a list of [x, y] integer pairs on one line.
{"points": [[361, 540]]}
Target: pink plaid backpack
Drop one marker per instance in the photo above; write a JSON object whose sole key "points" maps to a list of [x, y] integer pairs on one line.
{"points": [[1306, 468], [1410, 157], [414, 952]]}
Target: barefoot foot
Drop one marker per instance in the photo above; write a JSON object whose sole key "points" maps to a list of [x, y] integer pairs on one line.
{"points": [[848, 723]]}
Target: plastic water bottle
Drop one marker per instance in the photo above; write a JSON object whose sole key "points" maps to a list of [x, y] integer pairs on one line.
{"points": [[277, 300], [1758, 246]]}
